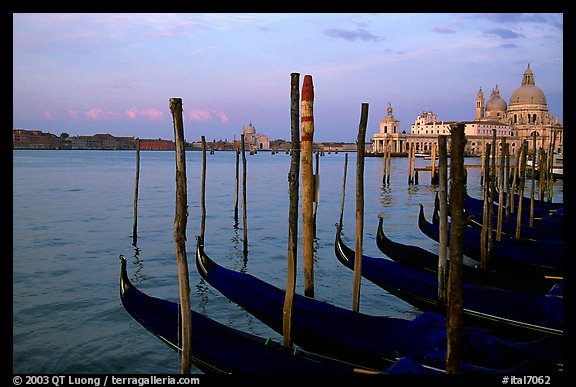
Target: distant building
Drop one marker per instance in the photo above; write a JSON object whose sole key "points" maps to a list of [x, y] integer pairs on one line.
{"points": [[34, 139], [100, 141], [253, 140], [526, 114], [157, 144]]}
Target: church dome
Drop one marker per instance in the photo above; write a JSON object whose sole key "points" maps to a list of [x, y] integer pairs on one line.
{"points": [[528, 92], [496, 103], [250, 129]]}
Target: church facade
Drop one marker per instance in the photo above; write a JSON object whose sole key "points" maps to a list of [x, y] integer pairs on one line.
{"points": [[525, 114], [255, 141]]}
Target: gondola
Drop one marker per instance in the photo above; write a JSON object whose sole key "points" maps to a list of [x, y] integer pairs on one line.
{"points": [[418, 257], [374, 341], [509, 255], [219, 349], [541, 207], [547, 222], [518, 315]]}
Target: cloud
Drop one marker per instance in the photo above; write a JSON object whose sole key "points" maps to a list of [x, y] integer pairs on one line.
{"points": [[222, 116], [48, 114], [131, 113], [73, 115], [206, 115], [93, 113], [509, 45], [198, 115], [152, 114], [509, 17], [443, 30], [359, 33], [503, 33]]}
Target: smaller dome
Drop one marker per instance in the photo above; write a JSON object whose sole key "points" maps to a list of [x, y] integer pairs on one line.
{"points": [[496, 103]]}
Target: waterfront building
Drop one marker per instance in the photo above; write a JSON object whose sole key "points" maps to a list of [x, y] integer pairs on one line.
{"points": [[157, 144], [253, 140], [100, 141], [34, 139], [526, 114]]}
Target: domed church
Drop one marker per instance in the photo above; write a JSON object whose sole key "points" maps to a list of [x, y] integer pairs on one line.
{"points": [[253, 140], [525, 114]]}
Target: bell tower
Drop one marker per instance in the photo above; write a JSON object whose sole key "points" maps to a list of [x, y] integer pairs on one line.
{"points": [[479, 105]]}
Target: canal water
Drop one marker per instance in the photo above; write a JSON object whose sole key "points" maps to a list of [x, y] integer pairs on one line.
{"points": [[73, 217]]}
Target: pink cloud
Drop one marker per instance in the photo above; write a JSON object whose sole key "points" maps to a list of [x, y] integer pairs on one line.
{"points": [[93, 113], [152, 114], [223, 117], [199, 115], [48, 114], [73, 115], [131, 113]]}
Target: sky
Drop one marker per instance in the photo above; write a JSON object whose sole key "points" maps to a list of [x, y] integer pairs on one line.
{"points": [[90, 73]]}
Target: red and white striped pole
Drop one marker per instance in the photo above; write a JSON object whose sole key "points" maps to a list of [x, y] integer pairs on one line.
{"points": [[307, 142]]}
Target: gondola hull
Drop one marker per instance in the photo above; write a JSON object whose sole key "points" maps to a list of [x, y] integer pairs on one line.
{"points": [[418, 257], [547, 218], [511, 314], [544, 257], [219, 349], [375, 341]]}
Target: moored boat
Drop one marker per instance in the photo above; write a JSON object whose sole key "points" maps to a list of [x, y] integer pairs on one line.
{"points": [[509, 255], [418, 257], [518, 315], [219, 349], [374, 341]]}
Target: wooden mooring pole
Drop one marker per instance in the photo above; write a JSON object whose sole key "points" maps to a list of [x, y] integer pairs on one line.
{"points": [[293, 186], [507, 176], [522, 177], [244, 216], [343, 189], [542, 173], [501, 189], [484, 253], [491, 193], [307, 142], [550, 180], [385, 158], [455, 294], [411, 154], [135, 226], [316, 190], [443, 226], [237, 183], [360, 144], [389, 156], [203, 194], [533, 179], [433, 177], [180, 221]]}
